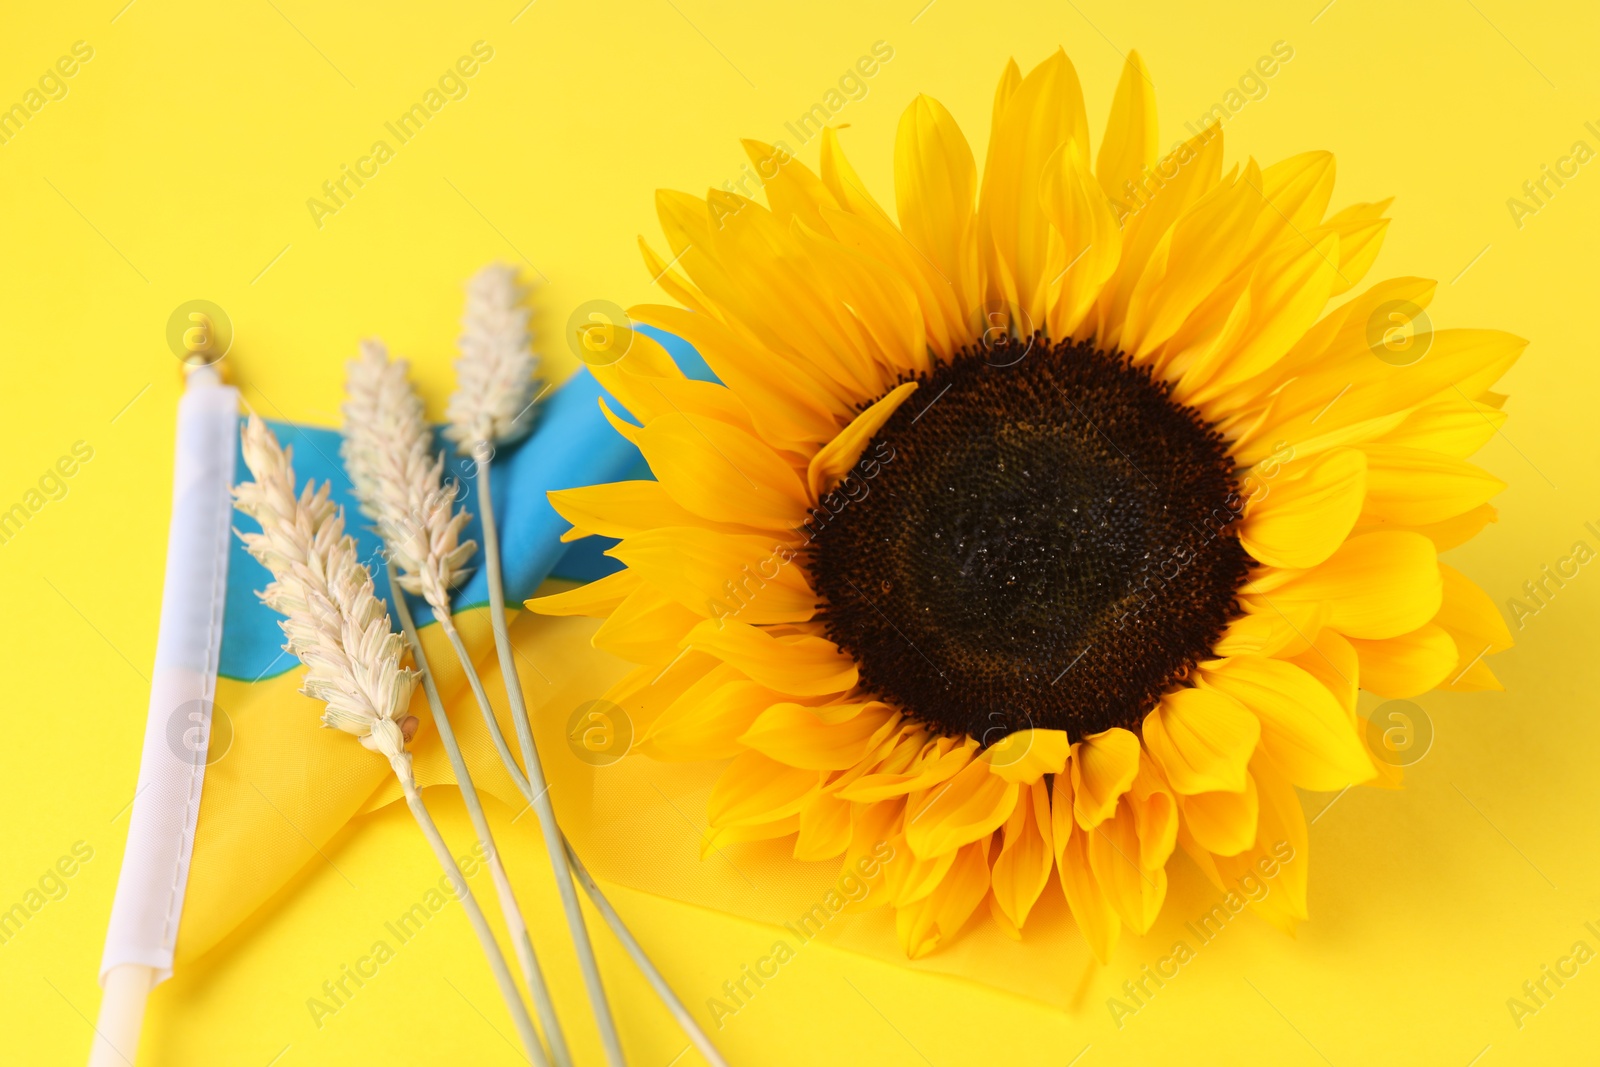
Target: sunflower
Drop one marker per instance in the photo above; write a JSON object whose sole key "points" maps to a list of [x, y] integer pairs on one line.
{"points": [[1049, 529]]}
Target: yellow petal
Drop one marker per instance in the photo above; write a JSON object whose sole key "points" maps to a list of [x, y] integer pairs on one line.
{"points": [[1452, 425], [1361, 229], [1090, 240], [1351, 386], [787, 402], [836, 459], [749, 577], [875, 306], [1129, 147], [1203, 247], [1272, 628], [1045, 112], [1095, 917], [1134, 892], [798, 664], [597, 599], [1028, 755], [1301, 520], [1376, 585], [973, 804], [911, 878], [722, 473], [1408, 665], [1475, 624], [719, 837], [792, 190], [706, 721], [646, 627], [871, 852], [1296, 191], [824, 828], [946, 321], [1103, 767], [1332, 660], [1304, 728], [1414, 487], [755, 789], [937, 761], [1155, 813], [939, 915], [617, 509], [848, 190], [1022, 867], [829, 738], [1280, 858], [1452, 532], [674, 284], [1224, 824], [1171, 188], [1287, 292], [1202, 740], [935, 185]]}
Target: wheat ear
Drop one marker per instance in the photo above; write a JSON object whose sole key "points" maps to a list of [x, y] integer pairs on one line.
{"points": [[494, 380], [493, 404], [397, 482], [337, 627]]}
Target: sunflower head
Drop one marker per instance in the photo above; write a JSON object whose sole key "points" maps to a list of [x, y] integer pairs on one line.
{"points": [[1045, 525]]}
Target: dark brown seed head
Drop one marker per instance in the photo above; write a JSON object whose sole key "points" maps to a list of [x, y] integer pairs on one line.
{"points": [[1050, 544]]}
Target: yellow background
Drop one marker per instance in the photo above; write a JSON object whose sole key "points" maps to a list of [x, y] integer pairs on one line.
{"points": [[178, 166]]}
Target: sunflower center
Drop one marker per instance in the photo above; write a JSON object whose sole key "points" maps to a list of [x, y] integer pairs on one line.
{"points": [[1044, 541]]}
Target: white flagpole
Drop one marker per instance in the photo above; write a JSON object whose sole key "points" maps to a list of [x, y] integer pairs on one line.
{"points": [[155, 866]]}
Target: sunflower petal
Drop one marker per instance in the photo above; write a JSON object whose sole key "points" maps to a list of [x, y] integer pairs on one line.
{"points": [[617, 509], [937, 917], [1453, 425], [1022, 867], [722, 473], [1376, 585], [1414, 487], [835, 459], [824, 828], [973, 804], [1332, 660], [831, 738], [1045, 112], [1223, 824], [754, 789], [1408, 665], [1129, 147], [748, 577], [1134, 892], [935, 184], [597, 599], [1026, 756], [1351, 386], [1304, 728], [798, 664], [1476, 626], [706, 721], [645, 628], [1202, 740], [938, 761], [1095, 916], [1103, 766], [1090, 240], [1302, 520], [786, 402]]}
